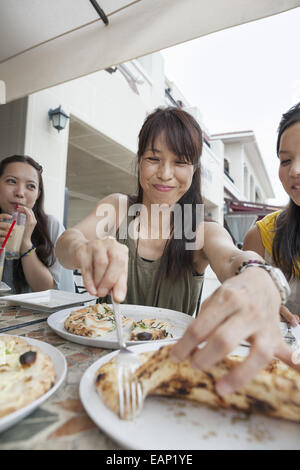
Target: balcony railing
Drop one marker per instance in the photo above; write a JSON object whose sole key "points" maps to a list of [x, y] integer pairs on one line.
{"points": [[228, 176]]}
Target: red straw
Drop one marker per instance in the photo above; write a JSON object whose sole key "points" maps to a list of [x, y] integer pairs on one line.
{"points": [[8, 234]]}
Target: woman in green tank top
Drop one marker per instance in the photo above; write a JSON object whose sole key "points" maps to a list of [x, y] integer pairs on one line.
{"points": [[153, 248]]}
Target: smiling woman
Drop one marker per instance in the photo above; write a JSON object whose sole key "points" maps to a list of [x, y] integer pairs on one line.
{"points": [[277, 236], [164, 271], [22, 190]]}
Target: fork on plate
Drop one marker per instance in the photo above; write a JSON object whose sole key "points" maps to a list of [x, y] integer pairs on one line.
{"points": [[289, 337], [129, 389]]}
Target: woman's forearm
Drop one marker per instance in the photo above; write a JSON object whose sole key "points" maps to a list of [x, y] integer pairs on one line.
{"points": [[66, 247], [237, 260]]}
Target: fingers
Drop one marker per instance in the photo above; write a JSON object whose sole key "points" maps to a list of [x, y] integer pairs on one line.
{"points": [[4, 225], [288, 316], [99, 265], [30, 217], [222, 342], [223, 303], [290, 356], [4, 228], [120, 287], [4, 216], [259, 356], [104, 266], [115, 274], [85, 263]]}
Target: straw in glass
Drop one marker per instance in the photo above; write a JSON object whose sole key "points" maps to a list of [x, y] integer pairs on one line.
{"points": [[7, 236]]}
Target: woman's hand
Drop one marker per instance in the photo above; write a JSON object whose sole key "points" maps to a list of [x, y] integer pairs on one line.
{"points": [[29, 227], [4, 226], [288, 316], [104, 266], [245, 307]]}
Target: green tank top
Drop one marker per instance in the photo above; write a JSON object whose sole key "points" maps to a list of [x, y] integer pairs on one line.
{"points": [[183, 295]]}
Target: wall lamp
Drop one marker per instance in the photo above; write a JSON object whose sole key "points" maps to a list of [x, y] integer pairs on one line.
{"points": [[58, 118]]}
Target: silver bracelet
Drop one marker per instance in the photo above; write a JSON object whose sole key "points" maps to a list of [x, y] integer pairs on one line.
{"points": [[276, 274]]}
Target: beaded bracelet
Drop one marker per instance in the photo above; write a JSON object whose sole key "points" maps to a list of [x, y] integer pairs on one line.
{"points": [[28, 252], [275, 273], [250, 262]]}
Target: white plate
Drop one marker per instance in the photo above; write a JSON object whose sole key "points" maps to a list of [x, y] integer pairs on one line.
{"points": [[171, 423], [48, 300], [60, 365], [178, 322]]}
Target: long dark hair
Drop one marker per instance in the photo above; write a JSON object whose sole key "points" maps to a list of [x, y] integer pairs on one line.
{"points": [[40, 236], [286, 244], [183, 137]]}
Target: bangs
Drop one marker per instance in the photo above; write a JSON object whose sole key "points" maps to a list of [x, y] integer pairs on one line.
{"points": [[181, 138]]}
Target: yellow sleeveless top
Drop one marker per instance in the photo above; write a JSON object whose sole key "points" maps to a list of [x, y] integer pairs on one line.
{"points": [[267, 230]]}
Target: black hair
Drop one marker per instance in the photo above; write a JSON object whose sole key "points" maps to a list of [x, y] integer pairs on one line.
{"points": [[40, 236], [183, 137], [286, 244]]}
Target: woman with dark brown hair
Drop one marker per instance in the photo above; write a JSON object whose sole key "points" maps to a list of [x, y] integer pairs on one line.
{"points": [[277, 236], [22, 190], [153, 248]]}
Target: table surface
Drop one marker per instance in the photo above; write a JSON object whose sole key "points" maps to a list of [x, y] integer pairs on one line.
{"points": [[61, 422]]}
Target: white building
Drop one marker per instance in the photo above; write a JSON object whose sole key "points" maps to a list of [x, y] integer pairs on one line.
{"points": [[245, 174], [95, 154]]}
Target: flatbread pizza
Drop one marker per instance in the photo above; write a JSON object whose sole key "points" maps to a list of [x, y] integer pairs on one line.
{"points": [[149, 329], [99, 320], [26, 373], [274, 392], [93, 321]]}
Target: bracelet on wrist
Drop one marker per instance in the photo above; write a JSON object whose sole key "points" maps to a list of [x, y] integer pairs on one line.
{"points": [[275, 273], [250, 262], [28, 252]]}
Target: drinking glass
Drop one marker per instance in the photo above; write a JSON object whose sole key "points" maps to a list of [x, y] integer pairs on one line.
{"points": [[14, 241]]}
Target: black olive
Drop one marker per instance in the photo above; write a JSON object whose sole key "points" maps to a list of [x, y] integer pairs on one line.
{"points": [[99, 377], [27, 358], [144, 336]]}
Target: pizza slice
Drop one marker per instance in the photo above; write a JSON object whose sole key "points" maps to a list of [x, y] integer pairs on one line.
{"points": [[274, 392], [149, 329], [26, 373], [93, 321]]}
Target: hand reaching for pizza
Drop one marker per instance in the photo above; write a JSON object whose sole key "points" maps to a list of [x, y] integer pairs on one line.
{"points": [[104, 266], [245, 307], [288, 316]]}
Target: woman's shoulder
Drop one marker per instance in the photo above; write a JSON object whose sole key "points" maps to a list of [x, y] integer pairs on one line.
{"points": [[116, 201], [51, 219], [268, 222], [55, 227], [267, 229], [114, 198], [53, 222]]}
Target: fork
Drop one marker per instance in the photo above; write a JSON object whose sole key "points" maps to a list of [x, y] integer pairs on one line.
{"points": [[289, 337], [129, 389]]}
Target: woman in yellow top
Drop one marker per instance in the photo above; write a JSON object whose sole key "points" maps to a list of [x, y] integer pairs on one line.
{"points": [[277, 236]]}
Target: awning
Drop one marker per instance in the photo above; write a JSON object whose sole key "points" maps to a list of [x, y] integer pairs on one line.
{"points": [[47, 42], [258, 208], [239, 224]]}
